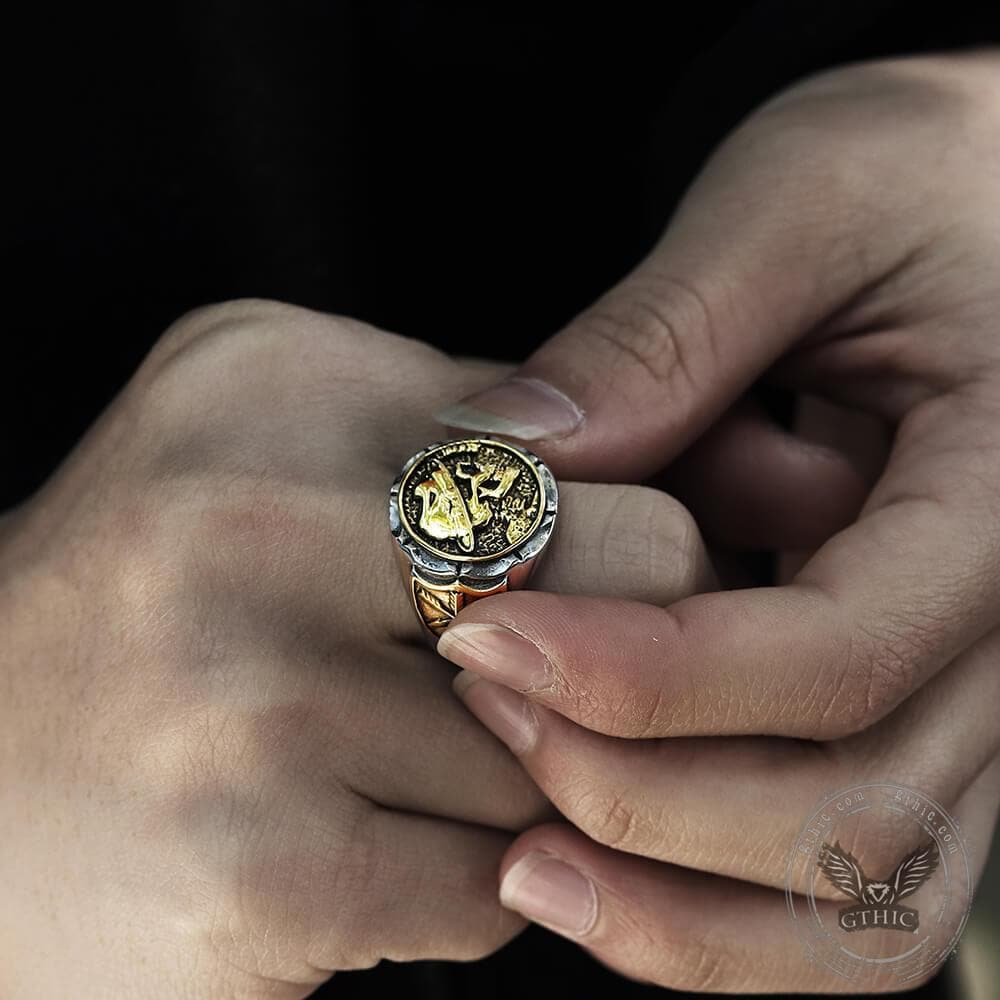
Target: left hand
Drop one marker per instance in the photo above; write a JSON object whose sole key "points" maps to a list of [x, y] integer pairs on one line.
{"points": [[229, 765], [843, 238]]}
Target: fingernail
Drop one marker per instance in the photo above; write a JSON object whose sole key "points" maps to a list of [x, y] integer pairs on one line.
{"points": [[498, 653], [506, 714], [547, 890], [525, 408]]}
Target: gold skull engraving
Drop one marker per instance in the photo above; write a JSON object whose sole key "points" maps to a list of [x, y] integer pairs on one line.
{"points": [[472, 499], [444, 511]]}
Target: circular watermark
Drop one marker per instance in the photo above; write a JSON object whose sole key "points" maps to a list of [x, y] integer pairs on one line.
{"points": [[879, 885]]}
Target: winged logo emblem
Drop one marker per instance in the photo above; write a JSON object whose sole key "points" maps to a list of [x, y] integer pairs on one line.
{"points": [[843, 871], [877, 902]]}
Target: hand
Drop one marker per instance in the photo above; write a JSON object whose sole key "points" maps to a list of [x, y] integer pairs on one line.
{"points": [[230, 765], [843, 242]]}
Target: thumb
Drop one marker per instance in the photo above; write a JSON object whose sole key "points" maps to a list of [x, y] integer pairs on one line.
{"points": [[767, 242]]}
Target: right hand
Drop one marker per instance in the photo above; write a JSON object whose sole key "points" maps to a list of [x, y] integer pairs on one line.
{"points": [[230, 765]]}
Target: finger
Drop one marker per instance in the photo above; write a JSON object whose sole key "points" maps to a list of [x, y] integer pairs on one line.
{"points": [[672, 800], [458, 773], [878, 610], [751, 484], [422, 888], [634, 542], [735, 280], [863, 439], [678, 928], [659, 923], [310, 722]]}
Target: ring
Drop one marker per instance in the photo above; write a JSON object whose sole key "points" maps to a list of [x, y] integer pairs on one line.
{"points": [[470, 517]]}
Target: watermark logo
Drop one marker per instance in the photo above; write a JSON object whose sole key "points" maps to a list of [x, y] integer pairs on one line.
{"points": [[876, 901], [887, 934]]}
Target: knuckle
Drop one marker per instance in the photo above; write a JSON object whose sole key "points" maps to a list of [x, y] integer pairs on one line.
{"points": [[898, 649], [882, 665], [650, 716], [650, 543], [608, 815], [206, 566], [584, 703], [219, 318], [185, 375], [148, 581], [267, 850], [481, 941], [240, 350], [660, 325], [224, 537], [202, 589], [208, 765], [699, 967], [844, 708], [674, 543], [617, 824], [955, 87], [682, 960], [830, 144], [613, 710], [246, 524], [890, 672]]}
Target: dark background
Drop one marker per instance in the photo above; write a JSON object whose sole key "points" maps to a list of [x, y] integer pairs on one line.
{"points": [[471, 174], [468, 173]]}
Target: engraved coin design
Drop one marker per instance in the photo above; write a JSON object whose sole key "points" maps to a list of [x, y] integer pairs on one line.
{"points": [[471, 500]]}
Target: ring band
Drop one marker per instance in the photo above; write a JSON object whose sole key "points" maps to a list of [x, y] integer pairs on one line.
{"points": [[470, 517]]}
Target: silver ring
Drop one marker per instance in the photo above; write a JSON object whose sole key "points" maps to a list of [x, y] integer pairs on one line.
{"points": [[471, 518]]}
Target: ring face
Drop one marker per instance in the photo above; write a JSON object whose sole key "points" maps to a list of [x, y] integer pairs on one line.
{"points": [[471, 517], [471, 500]]}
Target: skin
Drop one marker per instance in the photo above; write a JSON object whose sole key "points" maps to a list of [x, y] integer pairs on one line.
{"points": [[223, 769], [842, 243], [231, 765]]}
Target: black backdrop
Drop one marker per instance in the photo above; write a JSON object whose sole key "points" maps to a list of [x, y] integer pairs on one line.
{"points": [[467, 173]]}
